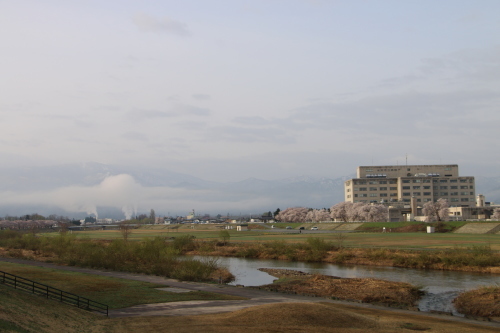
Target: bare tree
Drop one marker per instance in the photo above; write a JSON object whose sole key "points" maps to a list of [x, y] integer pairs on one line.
{"points": [[126, 230], [436, 211], [63, 227]]}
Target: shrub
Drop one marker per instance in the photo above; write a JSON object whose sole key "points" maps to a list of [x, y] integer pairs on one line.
{"points": [[184, 243]]}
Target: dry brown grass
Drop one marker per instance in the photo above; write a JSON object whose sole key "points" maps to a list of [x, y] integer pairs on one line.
{"points": [[296, 317], [366, 290], [27, 313], [482, 302]]}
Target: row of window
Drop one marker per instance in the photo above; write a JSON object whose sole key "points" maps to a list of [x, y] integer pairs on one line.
{"points": [[407, 181], [427, 187], [374, 182], [409, 194]]}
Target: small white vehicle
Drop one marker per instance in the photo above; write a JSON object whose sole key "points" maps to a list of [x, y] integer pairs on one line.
{"points": [[314, 228]]}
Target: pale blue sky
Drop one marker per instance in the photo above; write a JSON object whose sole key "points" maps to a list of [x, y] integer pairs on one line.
{"points": [[227, 90]]}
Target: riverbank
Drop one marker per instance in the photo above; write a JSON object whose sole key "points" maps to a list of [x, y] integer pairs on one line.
{"points": [[263, 312], [480, 303], [362, 290], [481, 259]]}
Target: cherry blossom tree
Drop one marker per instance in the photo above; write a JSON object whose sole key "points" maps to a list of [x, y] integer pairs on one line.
{"points": [[355, 211], [318, 215], [293, 214], [376, 213], [359, 211], [436, 211], [341, 211], [496, 214]]}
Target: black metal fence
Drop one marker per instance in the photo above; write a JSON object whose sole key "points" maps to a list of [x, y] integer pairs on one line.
{"points": [[52, 293]]}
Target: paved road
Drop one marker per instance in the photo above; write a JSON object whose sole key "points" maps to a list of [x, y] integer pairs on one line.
{"points": [[255, 296]]}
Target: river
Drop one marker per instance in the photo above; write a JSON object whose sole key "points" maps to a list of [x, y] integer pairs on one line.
{"points": [[441, 287]]}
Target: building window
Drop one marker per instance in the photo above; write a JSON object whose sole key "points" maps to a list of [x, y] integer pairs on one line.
{"points": [[464, 193], [383, 182], [406, 187], [392, 182], [373, 182], [406, 194], [426, 180], [463, 180], [453, 180], [443, 180], [348, 196], [453, 187], [373, 188], [416, 187], [427, 187], [464, 199], [443, 187], [362, 188], [427, 193], [471, 193], [393, 194], [471, 187], [416, 180], [363, 195], [383, 194], [383, 188], [444, 194], [348, 190], [416, 193], [373, 195], [454, 199], [355, 195], [406, 181], [393, 188], [464, 187], [454, 193]]}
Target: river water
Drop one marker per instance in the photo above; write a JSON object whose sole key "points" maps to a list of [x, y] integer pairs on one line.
{"points": [[441, 287]]}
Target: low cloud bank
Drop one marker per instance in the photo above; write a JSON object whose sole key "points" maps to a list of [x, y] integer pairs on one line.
{"points": [[125, 193]]}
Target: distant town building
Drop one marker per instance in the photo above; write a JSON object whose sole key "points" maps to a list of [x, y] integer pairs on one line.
{"points": [[401, 183]]}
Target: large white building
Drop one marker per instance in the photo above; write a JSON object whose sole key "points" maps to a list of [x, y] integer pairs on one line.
{"points": [[401, 183]]}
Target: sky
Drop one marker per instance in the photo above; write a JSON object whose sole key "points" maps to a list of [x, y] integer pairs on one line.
{"points": [[227, 90]]}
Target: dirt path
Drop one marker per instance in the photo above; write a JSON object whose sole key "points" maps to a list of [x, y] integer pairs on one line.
{"points": [[255, 297]]}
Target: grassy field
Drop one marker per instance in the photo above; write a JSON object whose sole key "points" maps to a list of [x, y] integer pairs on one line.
{"points": [[116, 293], [413, 240]]}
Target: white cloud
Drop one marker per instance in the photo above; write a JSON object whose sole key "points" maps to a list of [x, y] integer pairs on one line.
{"points": [[148, 23]]}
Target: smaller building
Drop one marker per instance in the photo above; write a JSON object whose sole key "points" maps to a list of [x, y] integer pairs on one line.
{"points": [[242, 227]]}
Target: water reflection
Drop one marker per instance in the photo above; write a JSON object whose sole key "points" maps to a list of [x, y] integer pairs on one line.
{"points": [[441, 286]]}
